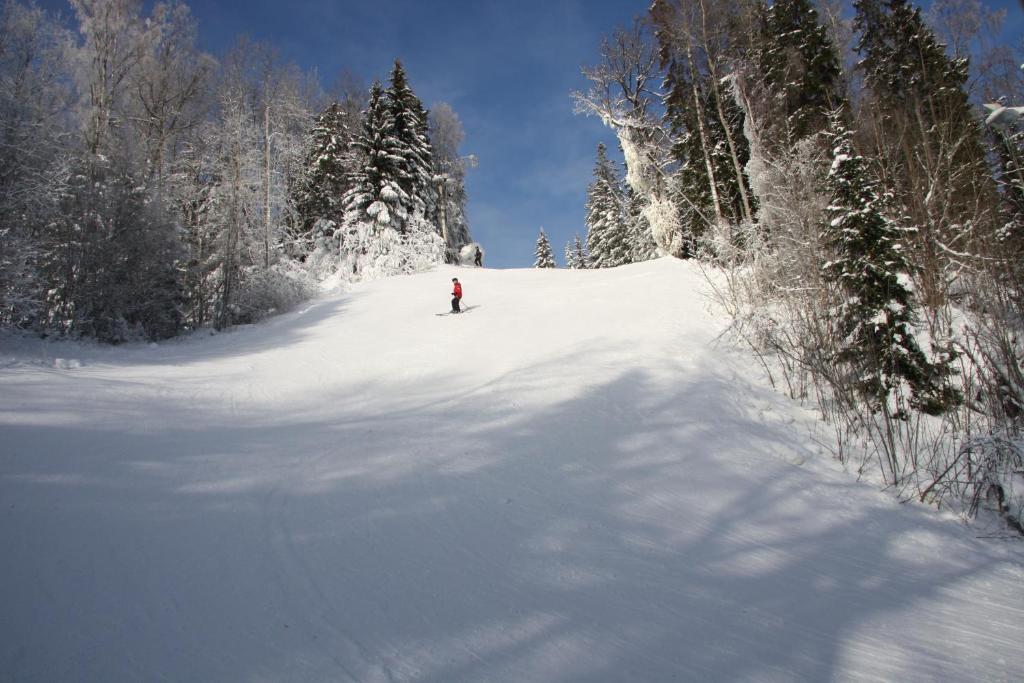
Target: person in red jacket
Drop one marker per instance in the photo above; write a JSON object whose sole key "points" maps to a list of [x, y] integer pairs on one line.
{"points": [[456, 295]]}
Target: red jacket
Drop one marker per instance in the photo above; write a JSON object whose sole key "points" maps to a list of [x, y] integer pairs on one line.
{"points": [[458, 290]]}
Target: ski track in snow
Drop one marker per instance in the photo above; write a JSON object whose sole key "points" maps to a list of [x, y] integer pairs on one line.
{"points": [[578, 482]]}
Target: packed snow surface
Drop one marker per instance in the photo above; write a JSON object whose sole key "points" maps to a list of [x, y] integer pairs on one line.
{"points": [[576, 481]]}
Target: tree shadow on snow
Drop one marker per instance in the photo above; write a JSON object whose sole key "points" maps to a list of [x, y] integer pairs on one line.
{"points": [[276, 332], [626, 531]]}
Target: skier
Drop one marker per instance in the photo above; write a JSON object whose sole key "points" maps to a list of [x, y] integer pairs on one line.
{"points": [[479, 260], [456, 295]]}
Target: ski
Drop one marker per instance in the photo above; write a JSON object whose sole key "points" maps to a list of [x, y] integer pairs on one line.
{"points": [[466, 309]]}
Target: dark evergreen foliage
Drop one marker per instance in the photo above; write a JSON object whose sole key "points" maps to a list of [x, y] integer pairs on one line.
{"points": [[902, 60], [377, 194], [1009, 240], [1010, 167], [800, 67], [580, 256], [607, 231], [699, 138], [875, 318], [643, 247], [115, 257], [692, 184], [919, 95], [413, 162]]}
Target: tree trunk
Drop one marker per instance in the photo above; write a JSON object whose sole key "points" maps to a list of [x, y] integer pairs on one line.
{"points": [[712, 183], [231, 242], [747, 213], [443, 216], [266, 186]]}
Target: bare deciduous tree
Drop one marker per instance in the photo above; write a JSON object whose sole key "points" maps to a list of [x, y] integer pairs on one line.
{"points": [[623, 95]]}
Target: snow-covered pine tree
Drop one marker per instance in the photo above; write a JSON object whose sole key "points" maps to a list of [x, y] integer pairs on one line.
{"points": [[876, 314], [386, 229], [640, 238], [570, 257], [545, 258], [319, 198], [801, 71], [377, 201], [580, 255], [607, 231], [413, 162], [617, 245]]}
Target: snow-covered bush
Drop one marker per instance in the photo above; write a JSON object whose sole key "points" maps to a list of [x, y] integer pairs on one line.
{"points": [[373, 251], [322, 261], [265, 292]]}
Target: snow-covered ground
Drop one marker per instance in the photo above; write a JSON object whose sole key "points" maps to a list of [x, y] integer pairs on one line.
{"points": [[572, 482]]}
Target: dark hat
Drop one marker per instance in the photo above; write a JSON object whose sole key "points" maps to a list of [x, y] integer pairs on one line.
{"points": [[455, 279]]}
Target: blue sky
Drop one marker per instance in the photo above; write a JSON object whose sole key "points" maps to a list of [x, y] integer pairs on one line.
{"points": [[506, 66]]}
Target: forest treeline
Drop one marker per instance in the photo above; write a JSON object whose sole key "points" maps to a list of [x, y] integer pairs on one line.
{"points": [[148, 188], [834, 160]]}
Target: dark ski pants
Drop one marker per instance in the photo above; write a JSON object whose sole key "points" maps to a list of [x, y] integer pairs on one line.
{"points": [[455, 305]]}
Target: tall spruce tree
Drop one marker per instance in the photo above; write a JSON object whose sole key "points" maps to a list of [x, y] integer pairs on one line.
{"points": [[911, 76], [607, 231], [580, 256], [876, 313], [377, 195], [545, 258], [801, 69], [412, 145]]}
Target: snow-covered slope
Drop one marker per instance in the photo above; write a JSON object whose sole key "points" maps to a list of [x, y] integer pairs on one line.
{"points": [[572, 482]]}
